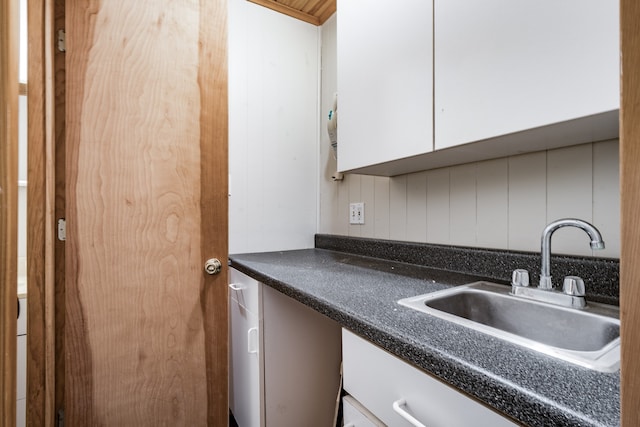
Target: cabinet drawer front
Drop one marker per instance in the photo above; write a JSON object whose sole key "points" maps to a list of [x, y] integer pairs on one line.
{"points": [[378, 379], [245, 291]]}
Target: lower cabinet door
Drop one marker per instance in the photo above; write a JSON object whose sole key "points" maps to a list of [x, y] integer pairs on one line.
{"points": [[356, 415], [402, 395], [301, 363], [245, 371]]}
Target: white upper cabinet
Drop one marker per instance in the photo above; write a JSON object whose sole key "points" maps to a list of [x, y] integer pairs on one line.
{"points": [[385, 85], [428, 84], [506, 66]]}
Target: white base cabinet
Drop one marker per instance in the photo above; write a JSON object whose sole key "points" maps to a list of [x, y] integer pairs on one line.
{"points": [[284, 359], [396, 392]]}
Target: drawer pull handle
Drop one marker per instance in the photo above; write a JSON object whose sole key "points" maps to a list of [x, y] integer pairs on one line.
{"points": [[350, 425], [235, 287], [397, 407], [252, 349]]}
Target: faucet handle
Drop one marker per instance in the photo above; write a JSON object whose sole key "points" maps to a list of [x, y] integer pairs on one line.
{"points": [[520, 277], [573, 285]]}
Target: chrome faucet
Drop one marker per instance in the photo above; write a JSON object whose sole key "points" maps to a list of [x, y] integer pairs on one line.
{"points": [[573, 292], [594, 235]]}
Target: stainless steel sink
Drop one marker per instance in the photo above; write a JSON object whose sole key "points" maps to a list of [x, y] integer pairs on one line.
{"points": [[588, 337]]}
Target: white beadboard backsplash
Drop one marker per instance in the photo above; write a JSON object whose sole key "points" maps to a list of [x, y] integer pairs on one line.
{"points": [[503, 203]]}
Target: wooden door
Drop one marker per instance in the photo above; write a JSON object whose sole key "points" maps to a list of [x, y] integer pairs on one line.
{"points": [[8, 207], [629, 217], [146, 170]]}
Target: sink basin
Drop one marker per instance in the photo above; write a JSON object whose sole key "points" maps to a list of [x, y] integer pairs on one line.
{"points": [[588, 337]]}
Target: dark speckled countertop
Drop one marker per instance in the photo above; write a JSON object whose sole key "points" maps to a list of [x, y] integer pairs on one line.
{"points": [[360, 293]]}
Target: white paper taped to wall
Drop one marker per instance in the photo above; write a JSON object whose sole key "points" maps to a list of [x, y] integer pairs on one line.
{"points": [[332, 129]]}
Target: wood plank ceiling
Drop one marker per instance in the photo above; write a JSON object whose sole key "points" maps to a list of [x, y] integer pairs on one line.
{"points": [[312, 11]]}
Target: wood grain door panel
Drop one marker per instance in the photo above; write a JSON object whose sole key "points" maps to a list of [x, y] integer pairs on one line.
{"points": [[146, 167], [630, 221], [8, 207]]}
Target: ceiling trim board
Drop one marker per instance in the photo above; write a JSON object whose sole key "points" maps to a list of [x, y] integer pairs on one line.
{"points": [[279, 7], [314, 12]]}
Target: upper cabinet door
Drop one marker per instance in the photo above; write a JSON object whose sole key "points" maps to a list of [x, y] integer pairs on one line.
{"points": [[505, 66], [385, 81]]}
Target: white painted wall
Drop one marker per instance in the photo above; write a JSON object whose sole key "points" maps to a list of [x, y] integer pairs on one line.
{"points": [[273, 129], [503, 203]]}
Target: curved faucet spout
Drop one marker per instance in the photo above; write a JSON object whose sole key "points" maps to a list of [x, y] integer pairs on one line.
{"points": [[594, 235]]}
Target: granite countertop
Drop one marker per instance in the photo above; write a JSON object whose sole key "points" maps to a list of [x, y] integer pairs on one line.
{"points": [[360, 293]]}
